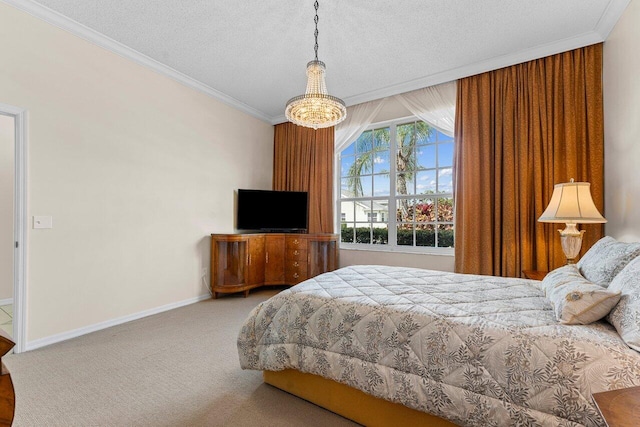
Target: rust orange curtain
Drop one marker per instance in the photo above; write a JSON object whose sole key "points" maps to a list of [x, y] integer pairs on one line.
{"points": [[303, 161], [520, 130]]}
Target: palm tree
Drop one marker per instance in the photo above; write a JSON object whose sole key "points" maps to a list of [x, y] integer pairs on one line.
{"points": [[408, 136], [367, 145], [372, 142]]}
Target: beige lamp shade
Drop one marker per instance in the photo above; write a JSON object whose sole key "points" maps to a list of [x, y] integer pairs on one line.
{"points": [[571, 202]]}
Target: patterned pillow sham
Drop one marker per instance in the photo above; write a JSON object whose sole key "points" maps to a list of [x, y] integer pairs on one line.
{"points": [[606, 258], [577, 301], [560, 276], [626, 315]]}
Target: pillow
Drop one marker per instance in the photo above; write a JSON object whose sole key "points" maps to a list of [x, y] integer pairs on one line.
{"points": [[560, 276], [606, 258], [626, 315], [575, 300]]}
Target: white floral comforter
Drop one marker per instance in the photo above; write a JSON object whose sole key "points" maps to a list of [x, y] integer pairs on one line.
{"points": [[477, 350]]}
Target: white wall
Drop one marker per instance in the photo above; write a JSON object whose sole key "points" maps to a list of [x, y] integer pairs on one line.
{"points": [[622, 126], [136, 170], [430, 262], [7, 144]]}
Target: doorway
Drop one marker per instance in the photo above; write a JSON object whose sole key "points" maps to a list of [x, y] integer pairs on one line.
{"points": [[13, 223], [7, 197]]}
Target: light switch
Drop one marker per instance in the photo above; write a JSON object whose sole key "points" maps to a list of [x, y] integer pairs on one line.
{"points": [[42, 222]]}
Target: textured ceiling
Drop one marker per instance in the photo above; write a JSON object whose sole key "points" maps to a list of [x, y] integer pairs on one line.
{"points": [[255, 52]]}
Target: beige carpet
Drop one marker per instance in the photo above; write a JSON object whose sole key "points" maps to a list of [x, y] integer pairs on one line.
{"points": [[178, 368]]}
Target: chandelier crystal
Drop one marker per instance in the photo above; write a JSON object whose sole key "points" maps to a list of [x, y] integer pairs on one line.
{"points": [[316, 108]]}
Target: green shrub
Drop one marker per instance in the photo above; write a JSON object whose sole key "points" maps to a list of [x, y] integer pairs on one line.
{"points": [[405, 237]]}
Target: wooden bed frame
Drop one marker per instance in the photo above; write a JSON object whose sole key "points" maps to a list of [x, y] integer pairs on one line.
{"points": [[349, 402]]}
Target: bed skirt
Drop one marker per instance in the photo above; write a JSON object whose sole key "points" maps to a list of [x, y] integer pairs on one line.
{"points": [[349, 402]]}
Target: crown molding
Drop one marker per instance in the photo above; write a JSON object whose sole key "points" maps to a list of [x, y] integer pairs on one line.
{"points": [[610, 17], [605, 25], [582, 40], [57, 19]]}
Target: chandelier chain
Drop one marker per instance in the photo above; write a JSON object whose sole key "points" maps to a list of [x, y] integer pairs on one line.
{"points": [[315, 47]]}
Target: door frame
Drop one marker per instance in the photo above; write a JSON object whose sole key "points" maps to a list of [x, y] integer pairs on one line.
{"points": [[20, 222]]}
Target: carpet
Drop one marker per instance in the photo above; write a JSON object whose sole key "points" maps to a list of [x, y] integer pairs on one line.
{"points": [[177, 368]]}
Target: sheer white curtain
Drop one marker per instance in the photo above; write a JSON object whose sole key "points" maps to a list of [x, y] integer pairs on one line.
{"points": [[435, 105], [359, 117]]}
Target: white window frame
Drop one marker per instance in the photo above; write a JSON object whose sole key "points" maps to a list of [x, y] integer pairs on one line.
{"points": [[392, 230]]}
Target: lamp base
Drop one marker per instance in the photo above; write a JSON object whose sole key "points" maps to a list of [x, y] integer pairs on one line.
{"points": [[571, 239]]}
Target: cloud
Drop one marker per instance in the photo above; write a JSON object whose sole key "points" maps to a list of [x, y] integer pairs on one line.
{"points": [[377, 160], [445, 172]]}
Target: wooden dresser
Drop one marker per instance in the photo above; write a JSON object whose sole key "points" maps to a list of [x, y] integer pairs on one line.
{"points": [[240, 262]]}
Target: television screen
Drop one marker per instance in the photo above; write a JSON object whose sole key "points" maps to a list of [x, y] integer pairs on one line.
{"points": [[272, 210]]}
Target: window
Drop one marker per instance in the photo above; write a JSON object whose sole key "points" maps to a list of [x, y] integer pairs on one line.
{"points": [[406, 168]]}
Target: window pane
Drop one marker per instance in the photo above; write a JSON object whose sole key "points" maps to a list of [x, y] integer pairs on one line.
{"points": [[405, 235], [405, 183], [445, 154], [365, 142], [381, 162], [445, 180], [351, 149], [443, 137], [381, 139], [426, 235], [362, 210], [423, 133], [363, 233], [347, 208], [381, 210], [404, 133], [381, 185], [367, 185], [425, 210], [346, 233], [426, 156], [404, 210], [346, 165], [347, 188], [426, 182], [380, 233], [445, 209], [445, 235], [433, 135]]}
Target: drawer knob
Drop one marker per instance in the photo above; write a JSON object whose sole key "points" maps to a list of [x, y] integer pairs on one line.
{"points": [[295, 264], [296, 241], [296, 275], [296, 253]]}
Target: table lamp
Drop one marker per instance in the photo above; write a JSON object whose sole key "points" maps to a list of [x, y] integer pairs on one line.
{"points": [[571, 203]]}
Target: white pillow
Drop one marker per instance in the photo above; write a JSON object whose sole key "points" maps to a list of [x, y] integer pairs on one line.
{"points": [[626, 315], [575, 300], [606, 258], [560, 276]]}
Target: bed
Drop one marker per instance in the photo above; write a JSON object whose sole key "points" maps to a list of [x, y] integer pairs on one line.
{"points": [[467, 349]]}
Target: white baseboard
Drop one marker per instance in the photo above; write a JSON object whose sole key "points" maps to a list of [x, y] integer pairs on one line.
{"points": [[42, 342], [6, 301]]}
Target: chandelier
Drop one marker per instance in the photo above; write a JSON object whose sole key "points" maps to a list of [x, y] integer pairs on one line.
{"points": [[316, 108]]}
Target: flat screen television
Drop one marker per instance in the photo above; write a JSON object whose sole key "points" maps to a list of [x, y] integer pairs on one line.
{"points": [[272, 211]]}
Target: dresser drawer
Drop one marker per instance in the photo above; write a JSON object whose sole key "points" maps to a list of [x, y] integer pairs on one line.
{"points": [[293, 242], [294, 275], [297, 255]]}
